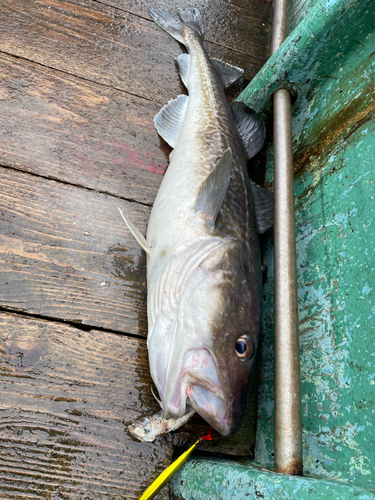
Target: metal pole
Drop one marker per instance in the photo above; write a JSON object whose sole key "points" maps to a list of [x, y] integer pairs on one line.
{"points": [[288, 427]]}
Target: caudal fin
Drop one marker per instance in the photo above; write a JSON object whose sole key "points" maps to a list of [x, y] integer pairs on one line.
{"points": [[192, 17], [176, 28]]}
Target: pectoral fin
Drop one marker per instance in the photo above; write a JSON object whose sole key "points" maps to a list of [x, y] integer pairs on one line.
{"points": [[263, 207], [250, 127], [170, 117], [136, 233], [214, 188]]}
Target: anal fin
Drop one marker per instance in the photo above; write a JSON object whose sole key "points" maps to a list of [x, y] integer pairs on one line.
{"points": [[183, 61], [263, 207], [168, 120], [136, 233]]}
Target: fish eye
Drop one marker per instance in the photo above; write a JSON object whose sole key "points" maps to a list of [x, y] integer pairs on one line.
{"points": [[244, 348]]}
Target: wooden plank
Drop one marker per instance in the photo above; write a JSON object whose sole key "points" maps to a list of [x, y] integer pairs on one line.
{"points": [[104, 44], [66, 128], [66, 253], [240, 26], [66, 398]]}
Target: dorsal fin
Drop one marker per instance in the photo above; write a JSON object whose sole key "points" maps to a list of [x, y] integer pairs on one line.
{"points": [[213, 189], [250, 127], [183, 61], [136, 233], [263, 207], [170, 117], [228, 72]]}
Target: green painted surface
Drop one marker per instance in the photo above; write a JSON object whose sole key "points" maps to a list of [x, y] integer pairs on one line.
{"points": [[329, 59], [315, 52], [336, 270], [334, 153], [222, 480], [297, 10]]}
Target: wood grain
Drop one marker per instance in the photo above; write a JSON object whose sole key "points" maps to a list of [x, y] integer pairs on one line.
{"points": [[105, 45], [66, 254], [80, 83], [237, 25], [62, 127], [66, 399]]}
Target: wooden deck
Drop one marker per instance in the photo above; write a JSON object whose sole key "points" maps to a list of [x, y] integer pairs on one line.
{"points": [[80, 83]]}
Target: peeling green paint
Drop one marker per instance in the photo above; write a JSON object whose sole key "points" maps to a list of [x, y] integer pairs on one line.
{"points": [[336, 278], [333, 141], [223, 480], [329, 59]]}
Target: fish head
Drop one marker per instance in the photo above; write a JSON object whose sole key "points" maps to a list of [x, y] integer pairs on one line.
{"points": [[204, 355]]}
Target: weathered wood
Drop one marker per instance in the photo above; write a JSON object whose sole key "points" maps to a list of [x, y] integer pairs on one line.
{"points": [[66, 253], [66, 398], [244, 28], [104, 44], [66, 128], [80, 83]]}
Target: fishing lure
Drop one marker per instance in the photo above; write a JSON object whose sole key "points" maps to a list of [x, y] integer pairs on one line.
{"points": [[165, 476]]}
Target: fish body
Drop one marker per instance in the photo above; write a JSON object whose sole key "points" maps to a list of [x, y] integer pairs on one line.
{"points": [[202, 244]]}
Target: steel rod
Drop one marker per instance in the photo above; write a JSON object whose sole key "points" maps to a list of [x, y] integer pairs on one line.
{"points": [[288, 427]]}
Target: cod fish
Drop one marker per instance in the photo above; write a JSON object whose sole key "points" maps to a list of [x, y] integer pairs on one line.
{"points": [[202, 244]]}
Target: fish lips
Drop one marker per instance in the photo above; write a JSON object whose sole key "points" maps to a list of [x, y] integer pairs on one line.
{"points": [[210, 407], [198, 385]]}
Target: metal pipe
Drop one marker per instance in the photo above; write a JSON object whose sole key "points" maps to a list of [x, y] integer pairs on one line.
{"points": [[288, 426], [279, 23]]}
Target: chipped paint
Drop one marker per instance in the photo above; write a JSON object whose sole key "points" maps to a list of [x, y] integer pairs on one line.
{"points": [[219, 479], [333, 140]]}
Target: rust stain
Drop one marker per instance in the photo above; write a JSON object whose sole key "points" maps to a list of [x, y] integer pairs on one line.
{"points": [[340, 126], [293, 468]]}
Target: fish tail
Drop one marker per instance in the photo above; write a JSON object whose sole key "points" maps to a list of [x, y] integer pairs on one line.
{"points": [[190, 18]]}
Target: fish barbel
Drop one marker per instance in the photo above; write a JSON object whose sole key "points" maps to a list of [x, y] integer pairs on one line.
{"points": [[202, 245]]}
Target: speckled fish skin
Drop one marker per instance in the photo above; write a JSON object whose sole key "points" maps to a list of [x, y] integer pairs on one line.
{"points": [[204, 277]]}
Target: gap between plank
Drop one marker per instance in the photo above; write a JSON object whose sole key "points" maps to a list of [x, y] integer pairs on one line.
{"points": [[80, 77], [78, 326], [78, 186]]}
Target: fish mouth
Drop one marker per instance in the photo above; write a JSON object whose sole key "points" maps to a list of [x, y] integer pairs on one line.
{"points": [[197, 385], [210, 407]]}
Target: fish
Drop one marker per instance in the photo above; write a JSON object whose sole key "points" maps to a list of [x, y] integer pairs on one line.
{"points": [[149, 428], [204, 280]]}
